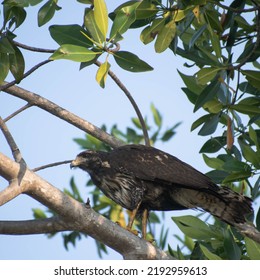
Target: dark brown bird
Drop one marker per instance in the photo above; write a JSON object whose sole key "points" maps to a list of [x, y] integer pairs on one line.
{"points": [[142, 178]]}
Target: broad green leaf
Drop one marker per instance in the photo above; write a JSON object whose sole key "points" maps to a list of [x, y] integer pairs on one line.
{"points": [[231, 247], [234, 165], [214, 163], [92, 27], [101, 16], [131, 62], [209, 255], [217, 176], [123, 20], [208, 93], [237, 176], [6, 46], [206, 75], [179, 15], [102, 72], [74, 53], [246, 109], [253, 249], [150, 32], [213, 106], [249, 154], [215, 41], [194, 227], [212, 17], [200, 121], [145, 10], [4, 66], [17, 64], [165, 36], [213, 145], [47, 12], [69, 34], [197, 35], [253, 77], [156, 116], [210, 125], [191, 83], [253, 136]]}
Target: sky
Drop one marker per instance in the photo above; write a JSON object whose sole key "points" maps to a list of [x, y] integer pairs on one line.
{"points": [[43, 139]]}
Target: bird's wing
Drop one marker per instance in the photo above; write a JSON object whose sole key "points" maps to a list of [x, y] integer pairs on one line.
{"points": [[151, 164]]}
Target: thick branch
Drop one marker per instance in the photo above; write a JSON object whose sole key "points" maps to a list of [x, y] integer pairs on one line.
{"points": [[77, 216], [63, 114]]}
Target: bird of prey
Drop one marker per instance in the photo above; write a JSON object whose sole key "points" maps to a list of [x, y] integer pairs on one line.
{"points": [[142, 178]]}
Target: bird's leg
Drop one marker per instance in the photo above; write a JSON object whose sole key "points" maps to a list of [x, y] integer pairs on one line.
{"points": [[132, 217], [144, 223]]}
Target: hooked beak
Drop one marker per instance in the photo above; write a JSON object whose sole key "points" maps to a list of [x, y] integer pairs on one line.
{"points": [[75, 163]]}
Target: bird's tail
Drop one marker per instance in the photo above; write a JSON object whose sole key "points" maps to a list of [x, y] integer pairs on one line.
{"points": [[222, 202]]}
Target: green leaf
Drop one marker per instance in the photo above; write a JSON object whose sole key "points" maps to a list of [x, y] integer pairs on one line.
{"points": [[234, 165], [17, 64], [38, 213], [237, 176], [213, 145], [210, 125], [150, 32], [102, 73], [253, 249], [191, 83], [123, 20], [209, 255], [92, 27], [206, 75], [86, 1], [156, 116], [231, 247], [208, 93], [197, 35], [217, 176], [165, 36], [69, 34], [214, 163], [101, 17], [47, 12], [145, 10], [249, 154], [194, 227], [253, 77], [246, 109], [74, 53], [131, 62], [4, 66]]}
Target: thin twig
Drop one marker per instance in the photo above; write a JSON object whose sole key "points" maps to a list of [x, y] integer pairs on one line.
{"points": [[28, 105], [33, 49], [11, 142], [132, 101], [29, 72], [51, 165]]}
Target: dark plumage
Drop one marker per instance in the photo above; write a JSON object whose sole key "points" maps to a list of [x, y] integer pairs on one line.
{"points": [[142, 178]]}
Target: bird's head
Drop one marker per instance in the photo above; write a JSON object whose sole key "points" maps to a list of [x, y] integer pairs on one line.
{"points": [[89, 160]]}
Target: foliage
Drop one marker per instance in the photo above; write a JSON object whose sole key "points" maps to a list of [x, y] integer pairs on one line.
{"points": [[220, 43]]}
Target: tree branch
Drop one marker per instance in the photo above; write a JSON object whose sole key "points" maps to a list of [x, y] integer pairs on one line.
{"points": [[75, 216], [29, 72], [63, 114]]}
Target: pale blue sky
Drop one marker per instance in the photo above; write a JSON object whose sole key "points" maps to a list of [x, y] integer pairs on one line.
{"points": [[44, 139]]}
